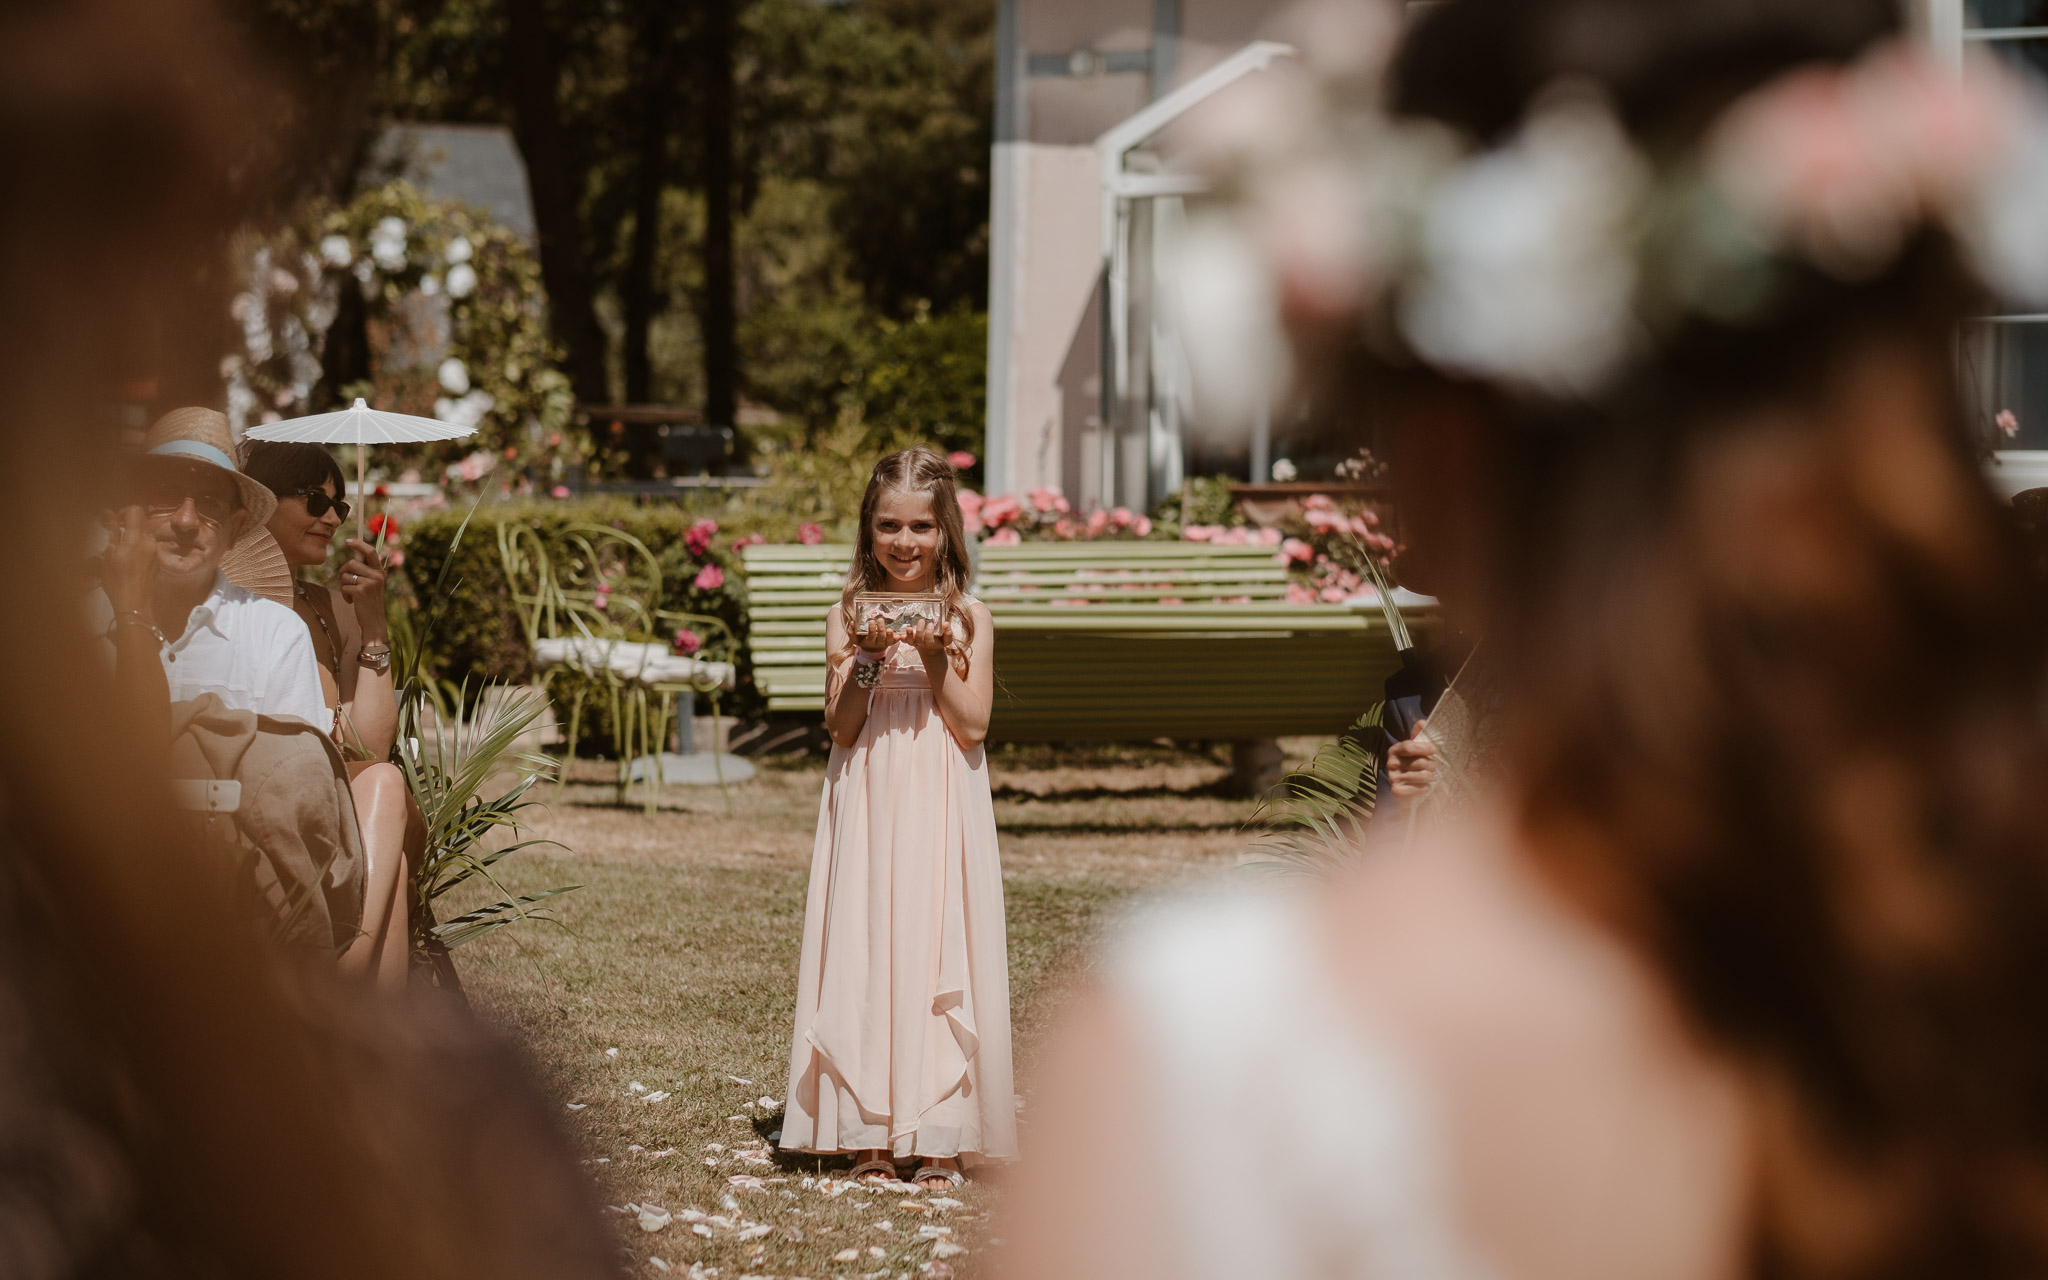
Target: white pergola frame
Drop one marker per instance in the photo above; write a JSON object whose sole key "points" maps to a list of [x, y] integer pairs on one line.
{"points": [[1120, 191]]}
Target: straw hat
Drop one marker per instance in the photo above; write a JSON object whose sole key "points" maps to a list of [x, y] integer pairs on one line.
{"points": [[203, 435]]}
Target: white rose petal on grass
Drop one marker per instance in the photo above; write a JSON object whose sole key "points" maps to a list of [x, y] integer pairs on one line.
{"points": [[738, 1080], [846, 1255], [766, 1103], [877, 1251], [945, 1202], [578, 1106], [934, 1232], [637, 1087], [658, 1264], [727, 1203], [947, 1249], [700, 1228], [716, 1148], [653, 1217], [755, 1232], [659, 1095], [665, 1151], [611, 1053], [884, 1225]]}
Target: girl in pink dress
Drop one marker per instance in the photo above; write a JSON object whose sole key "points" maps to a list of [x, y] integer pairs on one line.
{"points": [[902, 1048]]}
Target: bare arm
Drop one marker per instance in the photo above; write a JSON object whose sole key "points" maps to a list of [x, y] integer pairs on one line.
{"points": [[964, 700], [846, 703], [369, 705]]}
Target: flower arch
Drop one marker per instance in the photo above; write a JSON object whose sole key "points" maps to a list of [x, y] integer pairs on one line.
{"points": [[452, 311]]}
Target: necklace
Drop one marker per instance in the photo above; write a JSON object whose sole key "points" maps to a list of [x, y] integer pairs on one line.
{"points": [[333, 649]]}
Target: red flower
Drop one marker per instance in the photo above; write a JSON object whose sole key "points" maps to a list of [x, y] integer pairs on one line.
{"points": [[698, 538], [381, 523], [686, 642], [809, 534]]}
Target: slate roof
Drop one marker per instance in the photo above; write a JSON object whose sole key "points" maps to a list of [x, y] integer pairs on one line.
{"points": [[478, 164]]}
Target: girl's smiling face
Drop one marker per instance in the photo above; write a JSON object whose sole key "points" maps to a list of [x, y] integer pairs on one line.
{"points": [[906, 538], [304, 538]]}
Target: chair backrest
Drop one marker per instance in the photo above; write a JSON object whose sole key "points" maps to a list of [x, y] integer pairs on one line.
{"points": [[588, 580], [789, 591]]}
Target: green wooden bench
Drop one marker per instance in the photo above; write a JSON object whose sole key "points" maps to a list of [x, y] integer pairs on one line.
{"points": [[1112, 641]]}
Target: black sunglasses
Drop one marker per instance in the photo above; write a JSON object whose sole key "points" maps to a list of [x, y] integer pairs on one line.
{"points": [[318, 503]]}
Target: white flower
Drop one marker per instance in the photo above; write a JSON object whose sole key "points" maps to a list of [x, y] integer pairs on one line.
{"points": [[430, 285], [1283, 471], [1529, 274], [1237, 357], [453, 376], [466, 412], [387, 244], [461, 280], [336, 251], [459, 250]]}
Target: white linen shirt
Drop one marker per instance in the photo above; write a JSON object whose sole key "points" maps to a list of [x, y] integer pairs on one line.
{"points": [[254, 653]]}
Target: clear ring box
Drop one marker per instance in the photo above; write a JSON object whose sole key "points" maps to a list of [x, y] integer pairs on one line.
{"points": [[898, 611]]}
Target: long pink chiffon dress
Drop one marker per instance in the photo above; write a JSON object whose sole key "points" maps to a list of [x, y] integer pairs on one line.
{"points": [[903, 995]]}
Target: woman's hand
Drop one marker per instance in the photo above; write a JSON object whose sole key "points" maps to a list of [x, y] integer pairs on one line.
{"points": [[129, 564], [1411, 765], [362, 585]]}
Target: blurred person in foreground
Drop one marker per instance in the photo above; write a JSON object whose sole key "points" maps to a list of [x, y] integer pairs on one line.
{"points": [[1737, 971], [351, 642], [175, 1098]]}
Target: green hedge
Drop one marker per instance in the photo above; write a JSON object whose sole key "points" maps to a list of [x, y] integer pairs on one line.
{"points": [[474, 633]]}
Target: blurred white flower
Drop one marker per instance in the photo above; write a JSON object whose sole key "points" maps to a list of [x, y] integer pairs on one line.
{"points": [[430, 285], [461, 280], [468, 411], [453, 376], [1529, 271], [387, 244], [336, 251], [1283, 471], [283, 283], [1238, 358], [459, 250]]}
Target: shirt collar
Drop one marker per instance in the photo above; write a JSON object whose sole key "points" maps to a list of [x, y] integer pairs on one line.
{"points": [[207, 612]]}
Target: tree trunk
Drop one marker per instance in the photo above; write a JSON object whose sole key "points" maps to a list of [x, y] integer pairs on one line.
{"points": [[555, 181], [656, 95], [721, 347]]}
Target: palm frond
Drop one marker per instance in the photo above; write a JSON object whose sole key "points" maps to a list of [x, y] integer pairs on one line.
{"points": [[471, 925], [1314, 820]]}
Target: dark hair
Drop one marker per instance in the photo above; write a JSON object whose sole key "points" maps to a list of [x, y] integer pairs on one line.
{"points": [[1776, 673], [291, 467]]}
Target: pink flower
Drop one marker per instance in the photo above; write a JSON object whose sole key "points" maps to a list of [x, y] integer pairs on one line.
{"points": [[1064, 528], [970, 522], [1233, 537], [601, 601], [1049, 501], [1200, 532], [747, 540], [686, 642], [1317, 502], [1322, 518], [1333, 595], [997, 512], [969, 500], [1295, 551], [809, 534], [2008, 422], [1142, 526], [559, 491], [1298, 594], [1269, 537], [1004, 538], [709, 578], [698, 538], [1171, 600], [961, 459], [1121, 517], [1098, 522]]}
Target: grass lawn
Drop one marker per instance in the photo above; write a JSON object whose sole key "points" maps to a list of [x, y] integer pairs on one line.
{"points": [[660, 1011]]}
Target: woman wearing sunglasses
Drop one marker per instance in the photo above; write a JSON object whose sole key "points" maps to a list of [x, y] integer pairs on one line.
{"points": [[353, 647]]}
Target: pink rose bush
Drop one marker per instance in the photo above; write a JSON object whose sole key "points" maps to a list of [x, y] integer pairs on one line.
{"points": [[686, 642], [709, 578], [698, 538], [1004, 520], [810, 535]]}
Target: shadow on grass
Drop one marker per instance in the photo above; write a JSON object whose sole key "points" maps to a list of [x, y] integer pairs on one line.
{"points": [[1220, 789]]}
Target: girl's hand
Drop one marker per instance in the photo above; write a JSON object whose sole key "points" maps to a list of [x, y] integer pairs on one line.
{"points": [[876, 638], [362, 585], [929, 639]]}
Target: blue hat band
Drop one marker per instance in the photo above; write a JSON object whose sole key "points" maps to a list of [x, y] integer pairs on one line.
{"points": [[195, 449]]}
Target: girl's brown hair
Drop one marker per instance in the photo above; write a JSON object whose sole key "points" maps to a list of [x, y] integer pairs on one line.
{"points": [[1777, 681], [916, 471]]}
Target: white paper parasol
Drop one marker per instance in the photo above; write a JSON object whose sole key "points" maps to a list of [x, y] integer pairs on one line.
{"points": [[359, 424]]}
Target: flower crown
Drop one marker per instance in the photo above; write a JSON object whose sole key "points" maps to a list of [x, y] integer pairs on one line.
{"points": [[1546, 263]]}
